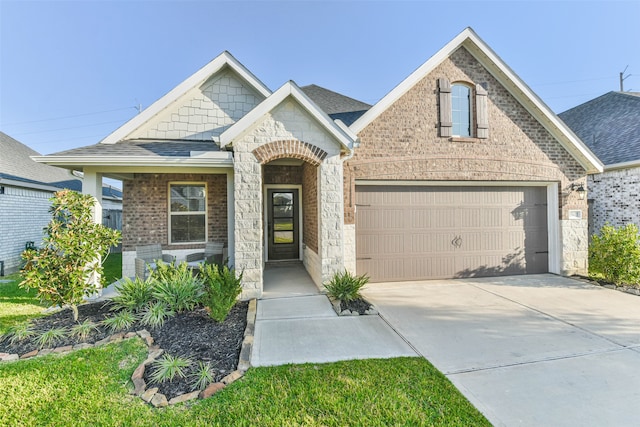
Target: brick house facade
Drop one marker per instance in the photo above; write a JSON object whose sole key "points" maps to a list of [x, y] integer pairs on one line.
{"points": [[281, 169]]}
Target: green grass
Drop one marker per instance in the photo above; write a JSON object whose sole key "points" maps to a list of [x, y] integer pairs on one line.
{"points": [[16, 304], [112, 268], [89, 387]]}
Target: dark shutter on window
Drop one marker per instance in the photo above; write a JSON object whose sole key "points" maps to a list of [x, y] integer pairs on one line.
{"points": [[482, 115], [444, 97]]}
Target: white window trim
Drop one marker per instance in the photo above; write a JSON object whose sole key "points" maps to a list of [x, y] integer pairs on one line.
{"points": [[206, 211], [472, 97]]}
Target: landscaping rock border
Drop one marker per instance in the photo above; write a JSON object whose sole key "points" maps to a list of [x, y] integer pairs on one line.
{"points": [[159, 400], [151, 395]]}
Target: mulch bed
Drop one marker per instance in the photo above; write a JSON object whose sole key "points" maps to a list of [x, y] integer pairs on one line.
{"points": [[360, 305], [192, 334]]}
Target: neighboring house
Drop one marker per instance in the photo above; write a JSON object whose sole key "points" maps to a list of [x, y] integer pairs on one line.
{"points": [[459, 171], [25, 190], [610, 126]]}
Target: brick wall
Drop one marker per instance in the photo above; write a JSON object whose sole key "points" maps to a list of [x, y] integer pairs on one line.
{"points": [[282, 174], [145, 212], [310, 206], [403, 142], [24, 213], [616, 198]]}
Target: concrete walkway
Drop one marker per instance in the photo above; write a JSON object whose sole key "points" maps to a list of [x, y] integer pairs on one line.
{"points": [[296, 324], [537, 350]]}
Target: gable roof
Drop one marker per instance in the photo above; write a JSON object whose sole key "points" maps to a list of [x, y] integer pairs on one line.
{"points": [[336, 105], [610, 126], [224, 60], [18, 168], [507, 78], [337, 129]]}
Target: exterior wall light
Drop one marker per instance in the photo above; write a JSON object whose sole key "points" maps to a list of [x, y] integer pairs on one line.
{"points": [[579, 188]]}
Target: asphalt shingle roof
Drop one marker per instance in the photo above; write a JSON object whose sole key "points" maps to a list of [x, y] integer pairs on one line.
{"points": [[16, 164], [609, 125], [142, 148], [336, 105]]}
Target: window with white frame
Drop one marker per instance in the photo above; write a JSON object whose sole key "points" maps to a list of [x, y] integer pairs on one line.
{"points": [[187, 212]]}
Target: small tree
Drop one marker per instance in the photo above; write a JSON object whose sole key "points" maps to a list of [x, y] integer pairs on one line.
{"points": [[615, 254], [66, 268]]}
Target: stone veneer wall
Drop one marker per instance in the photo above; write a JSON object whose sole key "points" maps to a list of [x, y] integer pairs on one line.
{"points": [[616, 198], [403, 143], [279, 131], [203, 112], [145, 213]]}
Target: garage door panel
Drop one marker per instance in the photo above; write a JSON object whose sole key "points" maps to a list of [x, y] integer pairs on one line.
{"points": [[410, 233]]}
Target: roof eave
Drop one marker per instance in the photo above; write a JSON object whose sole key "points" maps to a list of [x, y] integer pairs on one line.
{"points": [[622, 165], [221, 159]]}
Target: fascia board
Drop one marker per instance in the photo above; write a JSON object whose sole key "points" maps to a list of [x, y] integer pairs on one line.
{"points": [[217, 64], [286, 90], [404, 86], [22, 184], [622, 165], [532, 102], [221, 160]]}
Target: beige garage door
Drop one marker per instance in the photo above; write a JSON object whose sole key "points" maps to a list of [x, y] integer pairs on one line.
{"points": [[412, 233]]}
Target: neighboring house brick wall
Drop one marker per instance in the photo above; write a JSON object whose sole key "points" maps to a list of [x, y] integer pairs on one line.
{"points": [[616, 198], [403, 143], [145, 211], [16, 227], [203, 112]]}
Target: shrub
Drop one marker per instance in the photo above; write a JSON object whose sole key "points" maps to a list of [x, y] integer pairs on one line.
{"points": [[132, 294], [345, 286], [176, 286], [82, 330], [155, 314], [50, 337], [123, 320], [615, 254], [222, 288], [67, 267], [202, 377], [20, 332], [167, 368]]}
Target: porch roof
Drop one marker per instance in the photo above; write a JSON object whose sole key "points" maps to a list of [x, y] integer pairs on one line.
{"points": [[141, 153]]}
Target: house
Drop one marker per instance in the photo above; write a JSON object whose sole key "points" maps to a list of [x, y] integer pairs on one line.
{"points": [[610, 126], [25, 190], [460, 170]]}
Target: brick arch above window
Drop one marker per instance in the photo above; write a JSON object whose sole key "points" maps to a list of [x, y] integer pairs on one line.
{"points": [[292, 149]]}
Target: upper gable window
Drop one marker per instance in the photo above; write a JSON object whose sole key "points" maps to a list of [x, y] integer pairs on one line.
{"points": [[461, 110]]}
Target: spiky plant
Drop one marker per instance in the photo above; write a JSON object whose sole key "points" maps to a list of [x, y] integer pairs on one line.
{"points": [[120, 321], [132, 295], [169, 367], [82, 330], [49, 338], [155, 314], [21, 332], [202, 377]]}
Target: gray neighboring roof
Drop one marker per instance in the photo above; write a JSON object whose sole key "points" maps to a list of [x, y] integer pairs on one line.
{"points": [[16, 165], [142, 148], [609, 125], [336, 105]]}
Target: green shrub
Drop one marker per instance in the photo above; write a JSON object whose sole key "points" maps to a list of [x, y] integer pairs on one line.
{"points": [[155, 314], [133, 294], [615, 254], [49, 338], [20, 332], [176, 286], [345, 286], [67, 267], [82, 330], [167, 368], [222, 288], [202, 377], [123, 320]]}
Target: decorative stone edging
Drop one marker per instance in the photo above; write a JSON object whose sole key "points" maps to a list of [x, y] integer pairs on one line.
{"points": [[151, 395], [335, 303], [159, 400]]}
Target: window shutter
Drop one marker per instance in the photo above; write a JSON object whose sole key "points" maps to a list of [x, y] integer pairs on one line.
{"points": [[444, 94], [482, 115]]}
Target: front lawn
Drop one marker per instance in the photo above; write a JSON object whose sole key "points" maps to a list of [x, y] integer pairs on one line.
{"points": [[16, 304], [89, 387]]}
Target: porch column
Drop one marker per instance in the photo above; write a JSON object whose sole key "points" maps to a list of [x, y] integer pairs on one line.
{"points": [[331, 242], [92, 185]]}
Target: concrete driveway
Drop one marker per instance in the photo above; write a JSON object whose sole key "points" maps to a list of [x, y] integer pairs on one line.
{"points": [[537, 350]]}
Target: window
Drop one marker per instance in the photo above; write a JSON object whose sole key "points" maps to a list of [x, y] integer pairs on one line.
{"points": [[461, 110], [187, 213]]}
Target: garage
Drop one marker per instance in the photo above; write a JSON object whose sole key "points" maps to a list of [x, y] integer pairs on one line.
{"points": [[434, 232]]}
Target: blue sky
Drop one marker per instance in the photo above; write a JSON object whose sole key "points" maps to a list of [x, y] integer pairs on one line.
{"points": [[72, 72]]}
